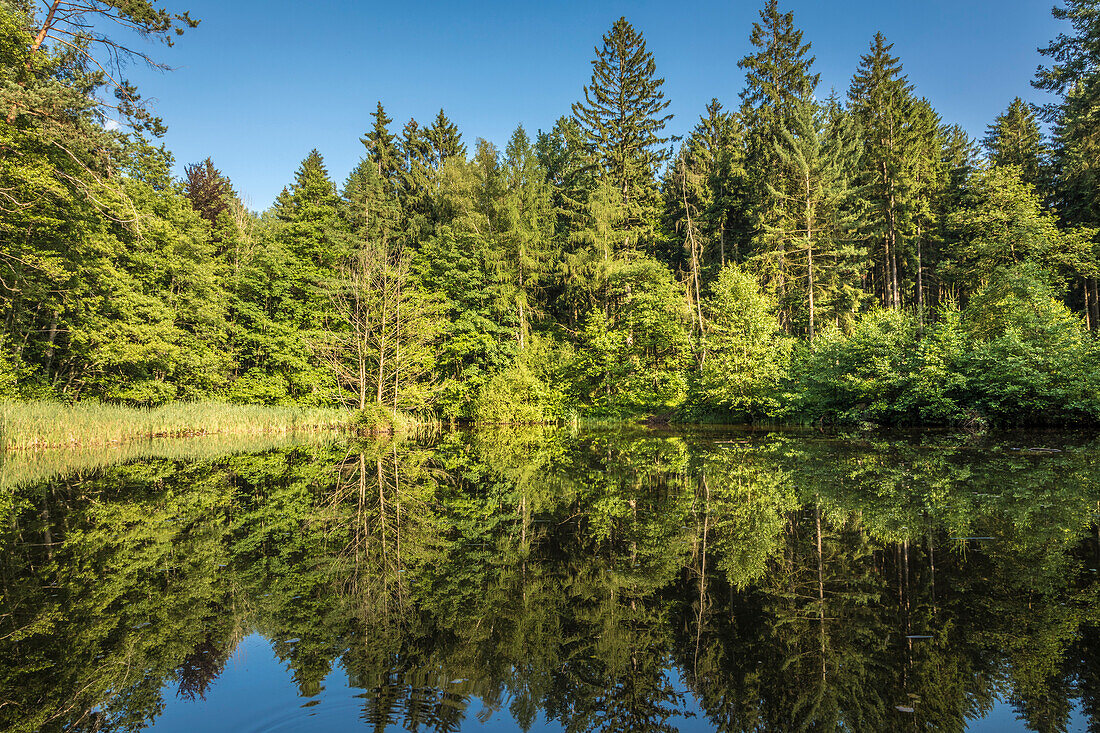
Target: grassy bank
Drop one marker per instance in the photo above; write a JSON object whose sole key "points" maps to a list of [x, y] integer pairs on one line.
{"points": [[31, 425]]}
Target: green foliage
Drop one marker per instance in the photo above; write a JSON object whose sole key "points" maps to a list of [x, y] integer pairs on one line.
{"points": [[1032, 361], [745, 352], [1001, 225], [858, 376], [1015, 139], [622, 119], [1013, 356], [634, 347]]}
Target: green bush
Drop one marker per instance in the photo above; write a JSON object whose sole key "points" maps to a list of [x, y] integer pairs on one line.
{"points": [[1014, 356], [1031, 361], [517, 395], [746, 354]]}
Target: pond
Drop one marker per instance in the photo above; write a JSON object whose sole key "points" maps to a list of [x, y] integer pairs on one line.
{"points": [[557, 580]]}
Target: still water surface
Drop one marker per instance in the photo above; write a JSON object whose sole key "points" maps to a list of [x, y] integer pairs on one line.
{"points": [[558, 581]]}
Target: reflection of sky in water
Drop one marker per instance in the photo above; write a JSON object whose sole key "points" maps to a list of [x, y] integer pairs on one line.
{"points": [[255, 693]]}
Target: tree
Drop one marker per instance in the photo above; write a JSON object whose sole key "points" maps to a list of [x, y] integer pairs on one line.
{"points": [[816, 223], [527, 228], [711, 163], [1002, 225], [378, 342], [1014, 138], [73, 30], [747, 351], [622, 118], [778, 79], [1074, 74], [382, 148], [880, 98], [208, 190]]}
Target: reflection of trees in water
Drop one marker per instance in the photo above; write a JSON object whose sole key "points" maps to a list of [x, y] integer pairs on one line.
{"points": [[573, 577]]}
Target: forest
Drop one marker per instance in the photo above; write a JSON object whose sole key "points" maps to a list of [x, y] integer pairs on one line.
{"points": [[799, 256]]}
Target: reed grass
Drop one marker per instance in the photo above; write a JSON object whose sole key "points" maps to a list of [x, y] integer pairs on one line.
{"points": [[34, 425]]}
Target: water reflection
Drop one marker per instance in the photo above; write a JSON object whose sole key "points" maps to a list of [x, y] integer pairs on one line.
{"points": [[598, 581]]}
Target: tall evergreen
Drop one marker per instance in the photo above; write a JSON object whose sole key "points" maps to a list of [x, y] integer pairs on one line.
{"points": [[309, 209], [778, 79], [817, 223], [713, 156], [1074, 75], [444, 140], [381, 145], [527, 220], [622, 117], [881, 100], [1014, 138], [925, 169]]}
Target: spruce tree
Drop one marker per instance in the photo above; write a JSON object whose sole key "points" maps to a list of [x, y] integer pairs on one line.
{"points": [[444, 141], [527, 227], [714, 154], [1074, 74], [381, 146], [622, 117], [925, 165], [778, 79], [880, 98], [1014, 138]]}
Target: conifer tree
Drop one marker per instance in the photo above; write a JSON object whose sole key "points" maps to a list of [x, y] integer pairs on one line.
{"points": [[880, 98], [713, 157], [816, 221], [925, 164], [561, 153], [309, 208], [778, 78], [526, 227], [208, 190], [1074, 75], [622, 117], [382, 150], [1014, 138], [444, 141]]}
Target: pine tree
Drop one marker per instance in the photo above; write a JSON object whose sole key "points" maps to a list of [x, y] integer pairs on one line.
{"points": [[622, 117], [1014, 138], [880, 98]]}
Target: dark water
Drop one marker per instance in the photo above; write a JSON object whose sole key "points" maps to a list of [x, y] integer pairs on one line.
{"points": [[560, 581]]}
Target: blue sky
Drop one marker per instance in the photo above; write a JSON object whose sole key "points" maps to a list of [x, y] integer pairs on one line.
{"points": [[259, 84]]}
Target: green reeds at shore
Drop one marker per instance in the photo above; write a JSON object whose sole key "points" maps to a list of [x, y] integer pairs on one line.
{"points": [[33, 425]]}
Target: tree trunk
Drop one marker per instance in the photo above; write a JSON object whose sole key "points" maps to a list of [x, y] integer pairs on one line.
{"points": [[810, 257], [920, 279]]}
